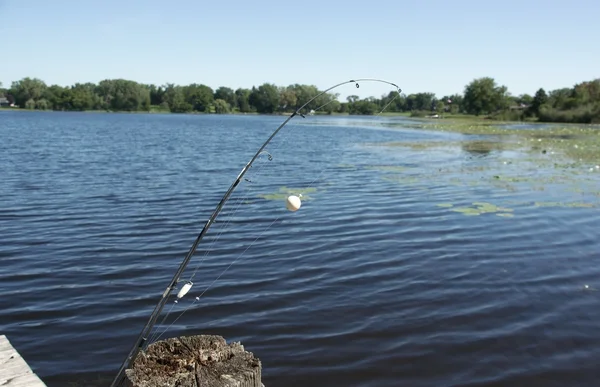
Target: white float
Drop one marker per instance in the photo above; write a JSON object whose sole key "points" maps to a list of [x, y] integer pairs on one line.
{"points": [[293, 203]]}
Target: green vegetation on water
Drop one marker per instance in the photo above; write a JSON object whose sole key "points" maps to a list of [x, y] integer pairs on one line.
{"points": [[479, 208], [545, 162], [284, 192], [482, 98], [580, 143]]}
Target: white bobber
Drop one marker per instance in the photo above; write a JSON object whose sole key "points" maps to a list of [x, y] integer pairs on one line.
{"points": [[293, 203]]}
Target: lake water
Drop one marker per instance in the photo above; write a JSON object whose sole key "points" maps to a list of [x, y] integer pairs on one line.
{"points": [[407, 265]]}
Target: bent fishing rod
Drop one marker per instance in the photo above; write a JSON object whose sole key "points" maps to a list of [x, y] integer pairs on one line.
{"points": [[143, 336]]}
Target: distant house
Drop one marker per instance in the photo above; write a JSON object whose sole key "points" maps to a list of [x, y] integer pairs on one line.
{"points": [[520, 106], [4, 102]]}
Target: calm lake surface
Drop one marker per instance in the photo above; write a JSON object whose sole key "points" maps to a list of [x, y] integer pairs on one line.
{"points": [[407, 265]]}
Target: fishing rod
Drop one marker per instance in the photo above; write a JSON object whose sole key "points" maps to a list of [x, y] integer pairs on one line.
{"points": [[292, 205]]}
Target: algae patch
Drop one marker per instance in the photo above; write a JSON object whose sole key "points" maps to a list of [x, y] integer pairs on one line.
{"points": [[387, 168], [406, 180], [479, 208], [580, 143], [284, 192], [566, 204]]}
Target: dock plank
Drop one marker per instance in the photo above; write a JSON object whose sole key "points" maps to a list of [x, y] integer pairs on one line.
{"points": [[14, 371]]}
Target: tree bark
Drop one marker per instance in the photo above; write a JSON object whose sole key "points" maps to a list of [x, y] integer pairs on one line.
{"points": [[195, 361]]}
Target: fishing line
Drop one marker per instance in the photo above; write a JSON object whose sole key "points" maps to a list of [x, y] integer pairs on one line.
{"points": [[284, 139], [142, 339], [157, 336], [238, 204], [341, 150], [325, 104], [257, 173], [196, 299]]}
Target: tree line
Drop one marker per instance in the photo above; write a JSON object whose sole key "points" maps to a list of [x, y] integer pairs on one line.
{"points": [[481, 97], [578, 104]]}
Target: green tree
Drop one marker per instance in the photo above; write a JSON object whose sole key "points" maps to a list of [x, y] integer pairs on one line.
{"points": [[226, 94], [580, 104], [265, 98], [410, 102], [398, 102], [58, 97], [27, 89], [42, 104], [363, 106], [287, 99], [452, 103], [164, 105], [242, 98], [156, 95], [82, 97], [305, 93], [352, 98], [440, 106], [222, 106], [524, 99], [122, 94], [174, 97], [425, 101], [420, 101], [540, 98], [333, 106], [456, 103], [483, 96], [587, 92], [200, 97], [323, 102], [559, 98]]}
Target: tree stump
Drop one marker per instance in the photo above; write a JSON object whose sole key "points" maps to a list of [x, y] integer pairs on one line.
{"points": [[195, 361]]}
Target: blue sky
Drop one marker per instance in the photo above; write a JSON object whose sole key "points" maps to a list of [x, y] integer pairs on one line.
{"points": [[428, 46]]}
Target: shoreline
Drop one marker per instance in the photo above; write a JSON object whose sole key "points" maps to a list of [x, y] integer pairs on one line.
{"points": [[445, 119]]}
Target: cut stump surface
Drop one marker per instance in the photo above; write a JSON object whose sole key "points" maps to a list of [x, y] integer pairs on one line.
{"points": [[195, 361]]}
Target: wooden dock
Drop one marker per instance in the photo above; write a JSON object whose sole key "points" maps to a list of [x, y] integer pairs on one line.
{"points": [[14, 371]]}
